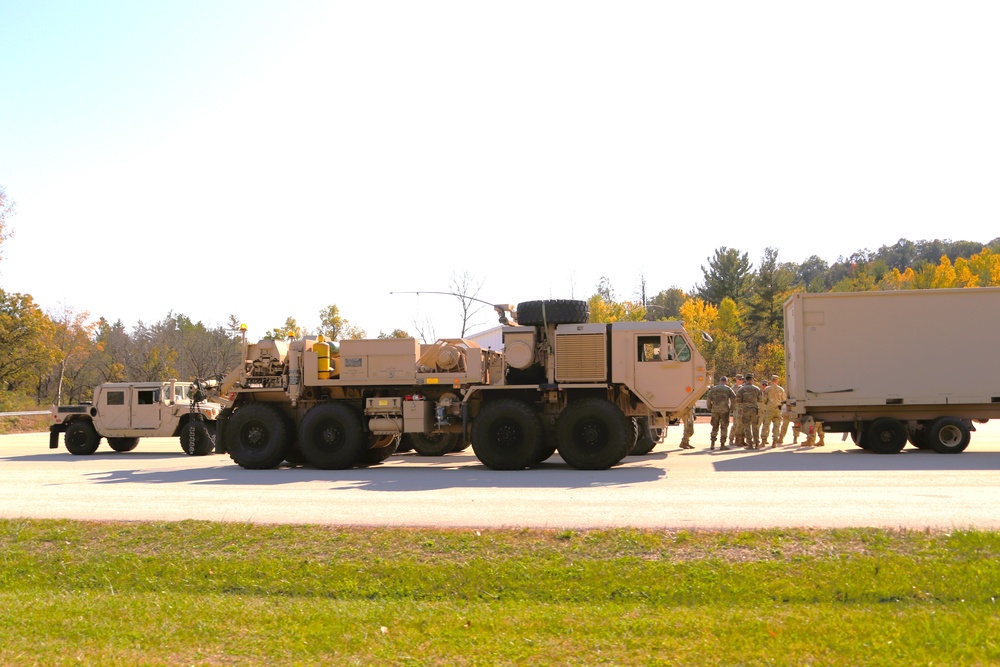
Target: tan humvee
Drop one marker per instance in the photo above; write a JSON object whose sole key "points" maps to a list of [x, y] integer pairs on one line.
{"points": [[123, 412]]}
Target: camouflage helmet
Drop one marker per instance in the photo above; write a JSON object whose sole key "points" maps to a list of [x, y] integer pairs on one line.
{"points": [[739, 376]]}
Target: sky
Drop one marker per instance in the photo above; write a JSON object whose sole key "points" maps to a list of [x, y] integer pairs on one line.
{"points": [[267, 159]]}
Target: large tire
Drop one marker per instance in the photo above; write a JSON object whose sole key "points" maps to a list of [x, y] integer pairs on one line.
{"points": [[123, 444], [644, 444], [375, 455], [507, 434], [81, 438], [257, 436], [332, 436], [858, 436], [556, 311], [918, 437], [885, 435], [438, 444], [204, 442], [593, 434], [948, 435]]}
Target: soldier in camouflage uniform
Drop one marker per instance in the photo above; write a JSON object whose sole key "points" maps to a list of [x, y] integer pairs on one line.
{"points": [[774, 398], [687, 418], [760, 413], [788, 418], [735, 430], [720, 399], [748, 396]]}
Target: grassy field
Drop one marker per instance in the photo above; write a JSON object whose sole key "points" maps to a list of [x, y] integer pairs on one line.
{"points": [[223, 594]]}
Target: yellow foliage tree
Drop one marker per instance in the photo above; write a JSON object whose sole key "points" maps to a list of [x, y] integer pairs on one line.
{"points": [[605, 311]]}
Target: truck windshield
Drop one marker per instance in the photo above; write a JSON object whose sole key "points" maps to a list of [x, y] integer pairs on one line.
{"points": [[681, 349]]}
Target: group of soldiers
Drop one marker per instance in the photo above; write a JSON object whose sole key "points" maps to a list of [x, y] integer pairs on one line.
{"points": [[754, 409]]}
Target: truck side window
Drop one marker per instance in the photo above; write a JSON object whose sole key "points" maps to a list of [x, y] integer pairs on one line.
{"points": [[147, 397], [649, 348], [116, 397], [682, 349]]}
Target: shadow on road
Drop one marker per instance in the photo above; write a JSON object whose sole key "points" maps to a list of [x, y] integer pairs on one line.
{"points": [[857, 461], [447, 472]]}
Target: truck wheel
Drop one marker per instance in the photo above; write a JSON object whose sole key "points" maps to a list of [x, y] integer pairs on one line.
{"points": [[257, 436], [557, 311], [81, 438], [331, 436], [885, 435], [948, 435], [438, 444], [507, 435], [203, 444], [123, 444], [405, 443], [593, 434], [645, 443], [375, 455]]}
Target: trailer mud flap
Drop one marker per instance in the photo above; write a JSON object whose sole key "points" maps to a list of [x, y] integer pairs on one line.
{"points": [[54, 432]]}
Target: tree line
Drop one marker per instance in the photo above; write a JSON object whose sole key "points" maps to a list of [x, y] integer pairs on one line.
{"points": [[741, 306], [59, 356]]}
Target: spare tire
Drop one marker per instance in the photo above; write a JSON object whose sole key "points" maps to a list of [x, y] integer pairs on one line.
{"points": [[555, 311]]}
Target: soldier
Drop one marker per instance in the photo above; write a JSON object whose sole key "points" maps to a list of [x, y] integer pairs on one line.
{"points": [[720, 399], [788, 418], [774, 398], [735, 430], [760, 413], [748, 396], [687, 418], [812, 430]]}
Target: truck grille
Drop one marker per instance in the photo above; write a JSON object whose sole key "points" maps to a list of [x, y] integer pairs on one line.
{"points": [[581, 358]]}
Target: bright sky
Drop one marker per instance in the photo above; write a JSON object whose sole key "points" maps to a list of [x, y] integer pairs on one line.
{"points": [[267, 159]]}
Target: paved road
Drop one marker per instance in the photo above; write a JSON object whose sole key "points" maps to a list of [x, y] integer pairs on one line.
{"points": [[835, 486]]}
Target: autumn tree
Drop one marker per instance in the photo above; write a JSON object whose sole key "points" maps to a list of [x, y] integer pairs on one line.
{"points": [[24, 331], [7, 210], [728, 275]]}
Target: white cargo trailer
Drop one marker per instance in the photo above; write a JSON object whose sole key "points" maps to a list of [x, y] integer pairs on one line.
{"points": [[887, 367]]}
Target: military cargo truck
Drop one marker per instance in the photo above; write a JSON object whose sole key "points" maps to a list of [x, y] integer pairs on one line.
{"points": [[560, 383], [123, 412], [891, 367]]}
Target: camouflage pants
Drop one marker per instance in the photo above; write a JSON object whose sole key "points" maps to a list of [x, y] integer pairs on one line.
{"points": [[736, 424], [772, 420], [748, 433], [786, 419], [720, 422]]}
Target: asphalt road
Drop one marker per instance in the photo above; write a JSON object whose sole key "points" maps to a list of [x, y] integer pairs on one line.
{"points": [[838, 485]]}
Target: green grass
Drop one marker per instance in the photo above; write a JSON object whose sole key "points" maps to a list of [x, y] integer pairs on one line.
{"points": [[227, 594]]}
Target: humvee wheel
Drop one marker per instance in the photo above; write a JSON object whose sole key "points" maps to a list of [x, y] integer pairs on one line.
{"points": [[204, 443], [507, 435], [331, 436], [81, 438], [257, 436], [593, 434], [123, 444]]}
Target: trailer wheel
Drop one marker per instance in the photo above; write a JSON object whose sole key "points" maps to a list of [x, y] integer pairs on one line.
{"points": [[507, 435], [204, 443], [948, 435], [257, 436], [593, 434], [859, 438], [331, 436], [81, 438], [438, 444], [918, 437], [123, 444], [886, 435], [556, 311]]}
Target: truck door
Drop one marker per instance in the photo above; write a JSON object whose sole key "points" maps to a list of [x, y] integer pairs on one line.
{"points": [[114, 408], [146, 407], [662, 370]]}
